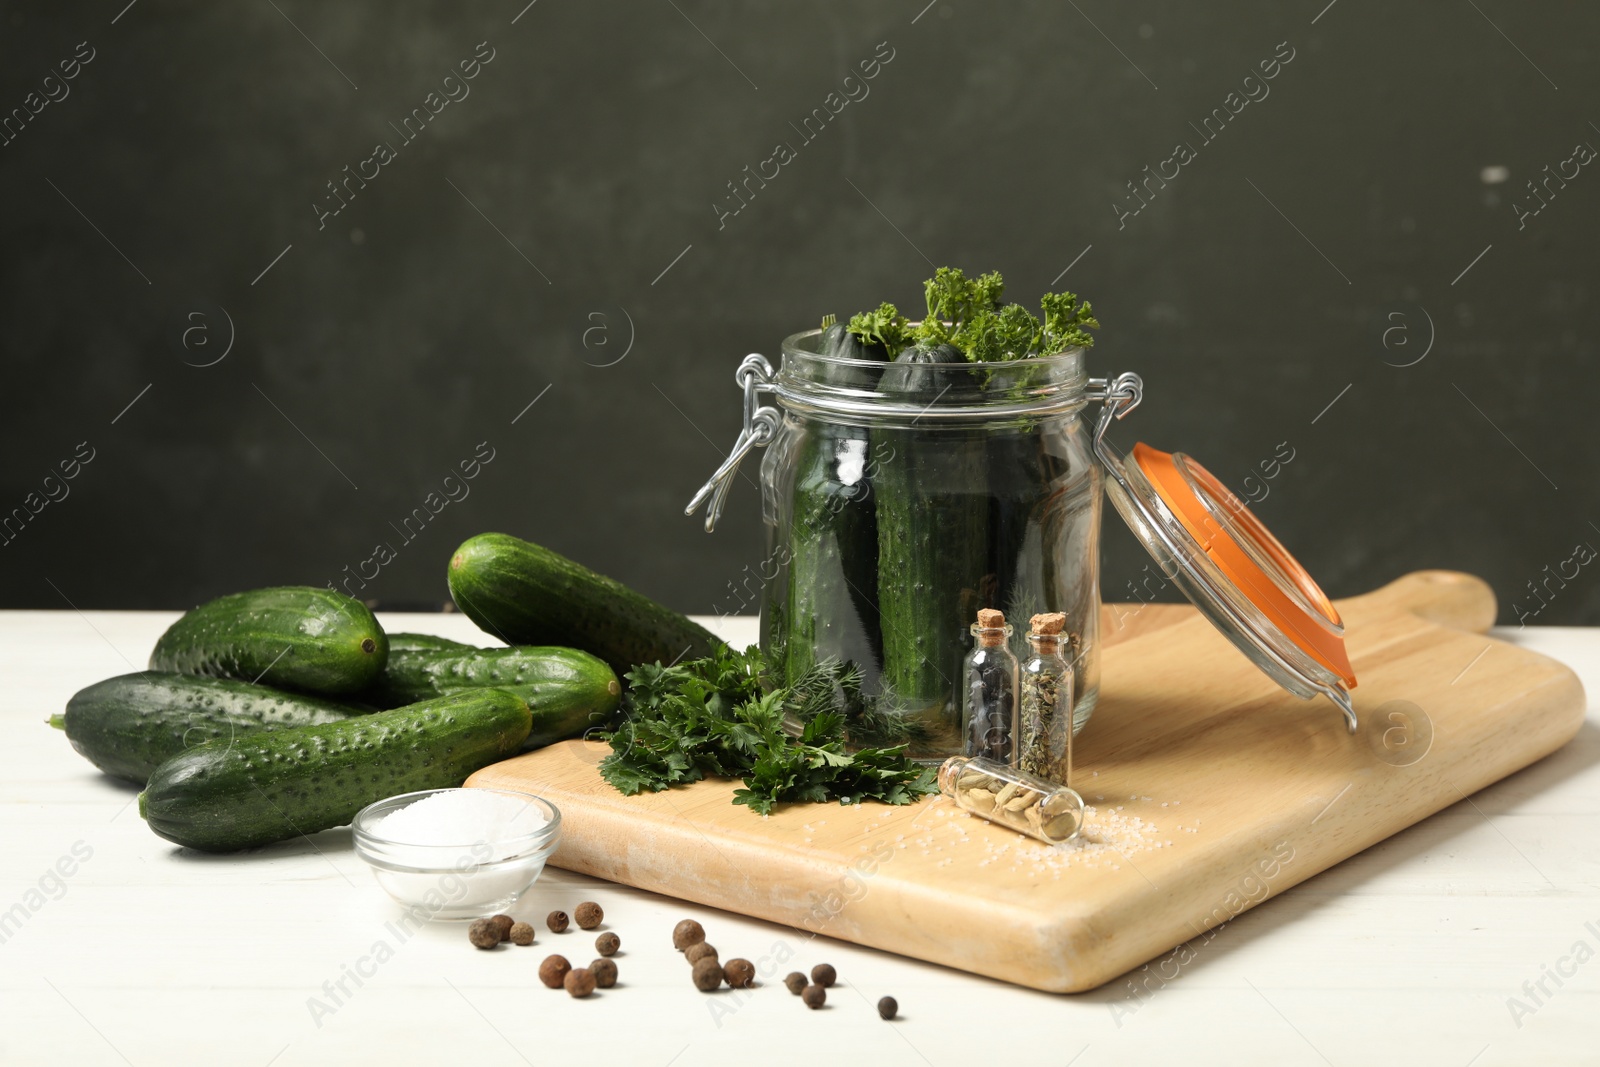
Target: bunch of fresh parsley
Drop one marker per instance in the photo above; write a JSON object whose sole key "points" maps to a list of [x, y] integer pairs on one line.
{"points": [[967, 314], [715, 717]]}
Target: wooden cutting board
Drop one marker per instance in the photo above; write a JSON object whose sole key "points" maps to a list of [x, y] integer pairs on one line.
{"points": [[1210, 791]]}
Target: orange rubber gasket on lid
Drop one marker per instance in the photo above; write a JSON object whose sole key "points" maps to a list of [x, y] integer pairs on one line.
{"points": [[1304, 628]]}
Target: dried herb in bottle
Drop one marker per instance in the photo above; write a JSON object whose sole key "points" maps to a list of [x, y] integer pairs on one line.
{"points": [[1047, 701]]}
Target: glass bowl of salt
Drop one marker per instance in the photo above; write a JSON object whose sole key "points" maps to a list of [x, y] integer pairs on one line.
{"points": [[457, 853]]}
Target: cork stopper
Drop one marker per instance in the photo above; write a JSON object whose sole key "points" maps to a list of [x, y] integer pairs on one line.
{"points": [[1052, 623], [991, 628], [948, 771], [1047, 629]]}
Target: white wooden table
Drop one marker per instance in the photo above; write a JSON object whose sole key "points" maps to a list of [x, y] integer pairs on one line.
{"points": [[115, 947]]}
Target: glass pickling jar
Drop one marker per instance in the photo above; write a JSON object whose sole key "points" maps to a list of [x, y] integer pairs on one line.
{"points": [[901, 498]]}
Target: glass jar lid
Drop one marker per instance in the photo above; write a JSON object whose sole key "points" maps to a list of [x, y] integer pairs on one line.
{"points": [[1209, 544]]}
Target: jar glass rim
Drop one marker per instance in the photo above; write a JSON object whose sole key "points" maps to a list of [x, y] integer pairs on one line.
{"points": [[809, 381]]}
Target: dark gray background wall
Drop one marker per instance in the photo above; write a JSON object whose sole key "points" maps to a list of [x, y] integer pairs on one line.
{"points": [[166, 206]]}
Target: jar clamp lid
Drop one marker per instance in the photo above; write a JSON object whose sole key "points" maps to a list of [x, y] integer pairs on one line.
{"points": [[1208, 543], [1201, 536]]}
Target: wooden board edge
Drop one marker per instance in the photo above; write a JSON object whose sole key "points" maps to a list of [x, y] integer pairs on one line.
{"points": [[1564, 715]]}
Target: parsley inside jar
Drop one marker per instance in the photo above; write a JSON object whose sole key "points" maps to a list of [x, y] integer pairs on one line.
{"points": [[916, 472]]}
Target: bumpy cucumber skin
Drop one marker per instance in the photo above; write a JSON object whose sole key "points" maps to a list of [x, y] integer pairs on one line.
{"points": [[424, 643], [566, 690], [291, 637], [525, 594], [129, 725], [931, 562], [933, 527], [832, 599], [1025, 490], [223, 796]]}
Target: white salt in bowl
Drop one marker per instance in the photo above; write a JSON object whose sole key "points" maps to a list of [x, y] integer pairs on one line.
{"points": [[438, 871]]}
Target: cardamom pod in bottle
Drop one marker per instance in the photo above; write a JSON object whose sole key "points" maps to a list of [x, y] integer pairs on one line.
{"points": [[1013, 798]]}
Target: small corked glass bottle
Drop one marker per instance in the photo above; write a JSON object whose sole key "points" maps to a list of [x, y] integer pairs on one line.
{"points": [[1012, 798], [1046, 726], [989, 691]]}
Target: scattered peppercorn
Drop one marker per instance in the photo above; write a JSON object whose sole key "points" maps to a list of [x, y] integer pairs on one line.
{"points": [[699, 951], [553, 970], [607, 944], [484, 933], [687, 933], [503, 923], [579, 982], [796, 982], [605, 973], [557, 921], [589, 914], [707, 975], [741, 974], [814, 996], [522, 933], [824, 975], [888, 1008]]}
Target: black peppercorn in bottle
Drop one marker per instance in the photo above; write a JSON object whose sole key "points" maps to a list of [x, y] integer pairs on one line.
{"points": [[989, 691]]}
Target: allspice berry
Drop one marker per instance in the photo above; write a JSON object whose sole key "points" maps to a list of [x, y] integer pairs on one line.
{"points": [[700, 951], [796, 982], [824, 975], [521, 933], [484, 933], [589, 915], [605, 973], [814, 996], [579, 983], [707, 975], [557, 921], [504, 923], [687, 933], [554, 970], [741, 974], [888, 1008], [607, 944]]}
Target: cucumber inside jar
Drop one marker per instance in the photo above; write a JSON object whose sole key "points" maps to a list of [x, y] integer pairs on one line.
{"points": [[830, 607], [933, 571]]}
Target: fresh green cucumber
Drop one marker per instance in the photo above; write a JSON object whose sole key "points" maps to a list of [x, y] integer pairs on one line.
{"points": [[424, 643], [130, 724], [528, 595], [566, 690], [933, 526], [832, 593], [222, 796], [1027, 484], [828, 605], [291, 637]]}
